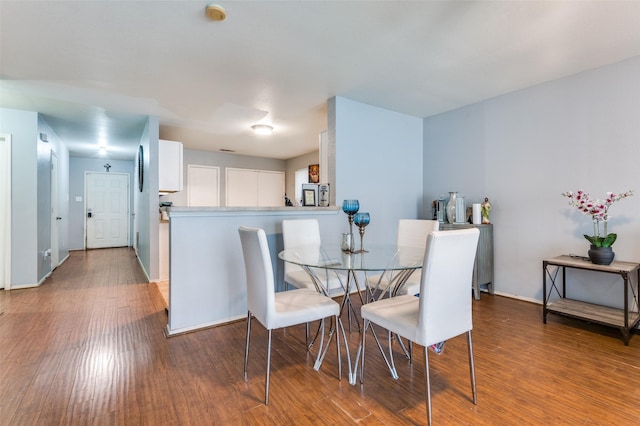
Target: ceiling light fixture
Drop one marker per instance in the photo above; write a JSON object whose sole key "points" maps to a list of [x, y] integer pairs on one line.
{"points": [[262, 129], [215, 12]]}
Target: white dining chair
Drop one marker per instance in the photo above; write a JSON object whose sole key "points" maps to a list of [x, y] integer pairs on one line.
{"points": [[282, 309], [411, 233], [306, 232], [442, 310]]}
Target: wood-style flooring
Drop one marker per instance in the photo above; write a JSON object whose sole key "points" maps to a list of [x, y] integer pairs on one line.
{"points": [[87, 347]]}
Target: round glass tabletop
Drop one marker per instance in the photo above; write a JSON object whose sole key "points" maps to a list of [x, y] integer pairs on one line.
{"points": [[377, 258]]}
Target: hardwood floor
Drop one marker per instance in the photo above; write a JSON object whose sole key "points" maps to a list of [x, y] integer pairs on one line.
{"points": [[87, 347]]}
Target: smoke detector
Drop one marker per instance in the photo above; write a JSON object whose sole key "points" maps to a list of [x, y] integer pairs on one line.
{"points": [[215, 12]]}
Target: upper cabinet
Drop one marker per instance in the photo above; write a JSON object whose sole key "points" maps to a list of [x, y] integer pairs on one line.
{"points": [[170, 166]]}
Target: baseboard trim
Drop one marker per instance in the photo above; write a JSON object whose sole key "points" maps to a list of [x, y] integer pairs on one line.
{"points": [[23, 286], [144, 271], [171, 333], [524, 299]]}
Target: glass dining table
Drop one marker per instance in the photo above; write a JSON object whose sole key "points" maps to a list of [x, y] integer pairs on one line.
{"points": [[396, 263]]}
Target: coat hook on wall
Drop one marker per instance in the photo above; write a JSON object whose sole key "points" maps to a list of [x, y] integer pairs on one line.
{"points": [[107, 167]]}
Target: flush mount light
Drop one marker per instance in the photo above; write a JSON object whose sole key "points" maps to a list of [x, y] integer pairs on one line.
{"points": [[262, 129], [215, 12]]}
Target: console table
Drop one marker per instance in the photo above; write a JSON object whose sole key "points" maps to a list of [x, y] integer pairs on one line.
{"points": [[624, 319], [483, 267]]}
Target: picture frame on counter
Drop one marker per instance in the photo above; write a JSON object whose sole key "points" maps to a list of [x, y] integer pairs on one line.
{"points": [[308, 197], [323, 195]]}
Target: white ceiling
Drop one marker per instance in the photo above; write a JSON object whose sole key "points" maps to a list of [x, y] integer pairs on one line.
{"points": [[101, 66]]}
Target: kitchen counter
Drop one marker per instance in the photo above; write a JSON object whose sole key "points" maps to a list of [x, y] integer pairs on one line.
{"points": [[206, 268]]}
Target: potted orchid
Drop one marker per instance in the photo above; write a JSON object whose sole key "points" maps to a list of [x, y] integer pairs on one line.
{"points": [[599, 212]]}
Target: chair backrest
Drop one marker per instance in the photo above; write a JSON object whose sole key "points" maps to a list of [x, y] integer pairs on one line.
{"points": [[414, 232], [299, 232], [445, 287], [259, 273]]}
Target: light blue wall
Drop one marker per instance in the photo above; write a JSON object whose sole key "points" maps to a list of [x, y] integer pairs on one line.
{"points": [[524, 149], [147, 203], [23, 128], [379, 159], [77, 169], [54, 145]]}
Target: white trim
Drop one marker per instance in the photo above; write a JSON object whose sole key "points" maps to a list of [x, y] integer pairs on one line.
{"points": [[144, 271], [23, 286], [5, 214], [175, 212], [171, 333]]}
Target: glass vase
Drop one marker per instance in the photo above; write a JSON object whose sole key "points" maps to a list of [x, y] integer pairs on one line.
{"points": [[451, 207]]}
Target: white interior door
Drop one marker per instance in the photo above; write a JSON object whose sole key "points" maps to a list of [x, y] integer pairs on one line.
{"points": [[252, 188], [55, 249], [5, 211], [270, 189], [202, 185], [242, 188], [107, 209]]}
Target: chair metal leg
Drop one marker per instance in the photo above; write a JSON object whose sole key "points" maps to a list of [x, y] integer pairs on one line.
{"points": [[389, 340], [472, 368], [365, 324], [390, 365], [306, 336], [404, 348], [339, 324], [321, 349], [427, 382], [266, 384], [246, 349]]}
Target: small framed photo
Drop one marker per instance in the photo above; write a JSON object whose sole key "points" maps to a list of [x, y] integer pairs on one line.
{"points": [[314, 173], [308, 197]]}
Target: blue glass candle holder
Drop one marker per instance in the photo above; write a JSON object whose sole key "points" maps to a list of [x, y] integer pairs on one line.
{"points": [[361, 220], [350, 207]]}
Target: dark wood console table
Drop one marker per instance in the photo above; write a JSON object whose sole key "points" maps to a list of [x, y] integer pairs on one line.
{"points": [[624, 319]]}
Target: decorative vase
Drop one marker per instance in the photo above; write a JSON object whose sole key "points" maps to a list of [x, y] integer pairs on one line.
{"points": [[461, 209], [451, 207], [601, 255]]}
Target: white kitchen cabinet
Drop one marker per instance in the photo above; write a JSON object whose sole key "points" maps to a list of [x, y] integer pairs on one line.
{"points": [[170, 166]]}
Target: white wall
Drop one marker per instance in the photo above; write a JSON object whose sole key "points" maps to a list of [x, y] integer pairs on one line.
{"points": [[524, 149], [379, 162]]}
